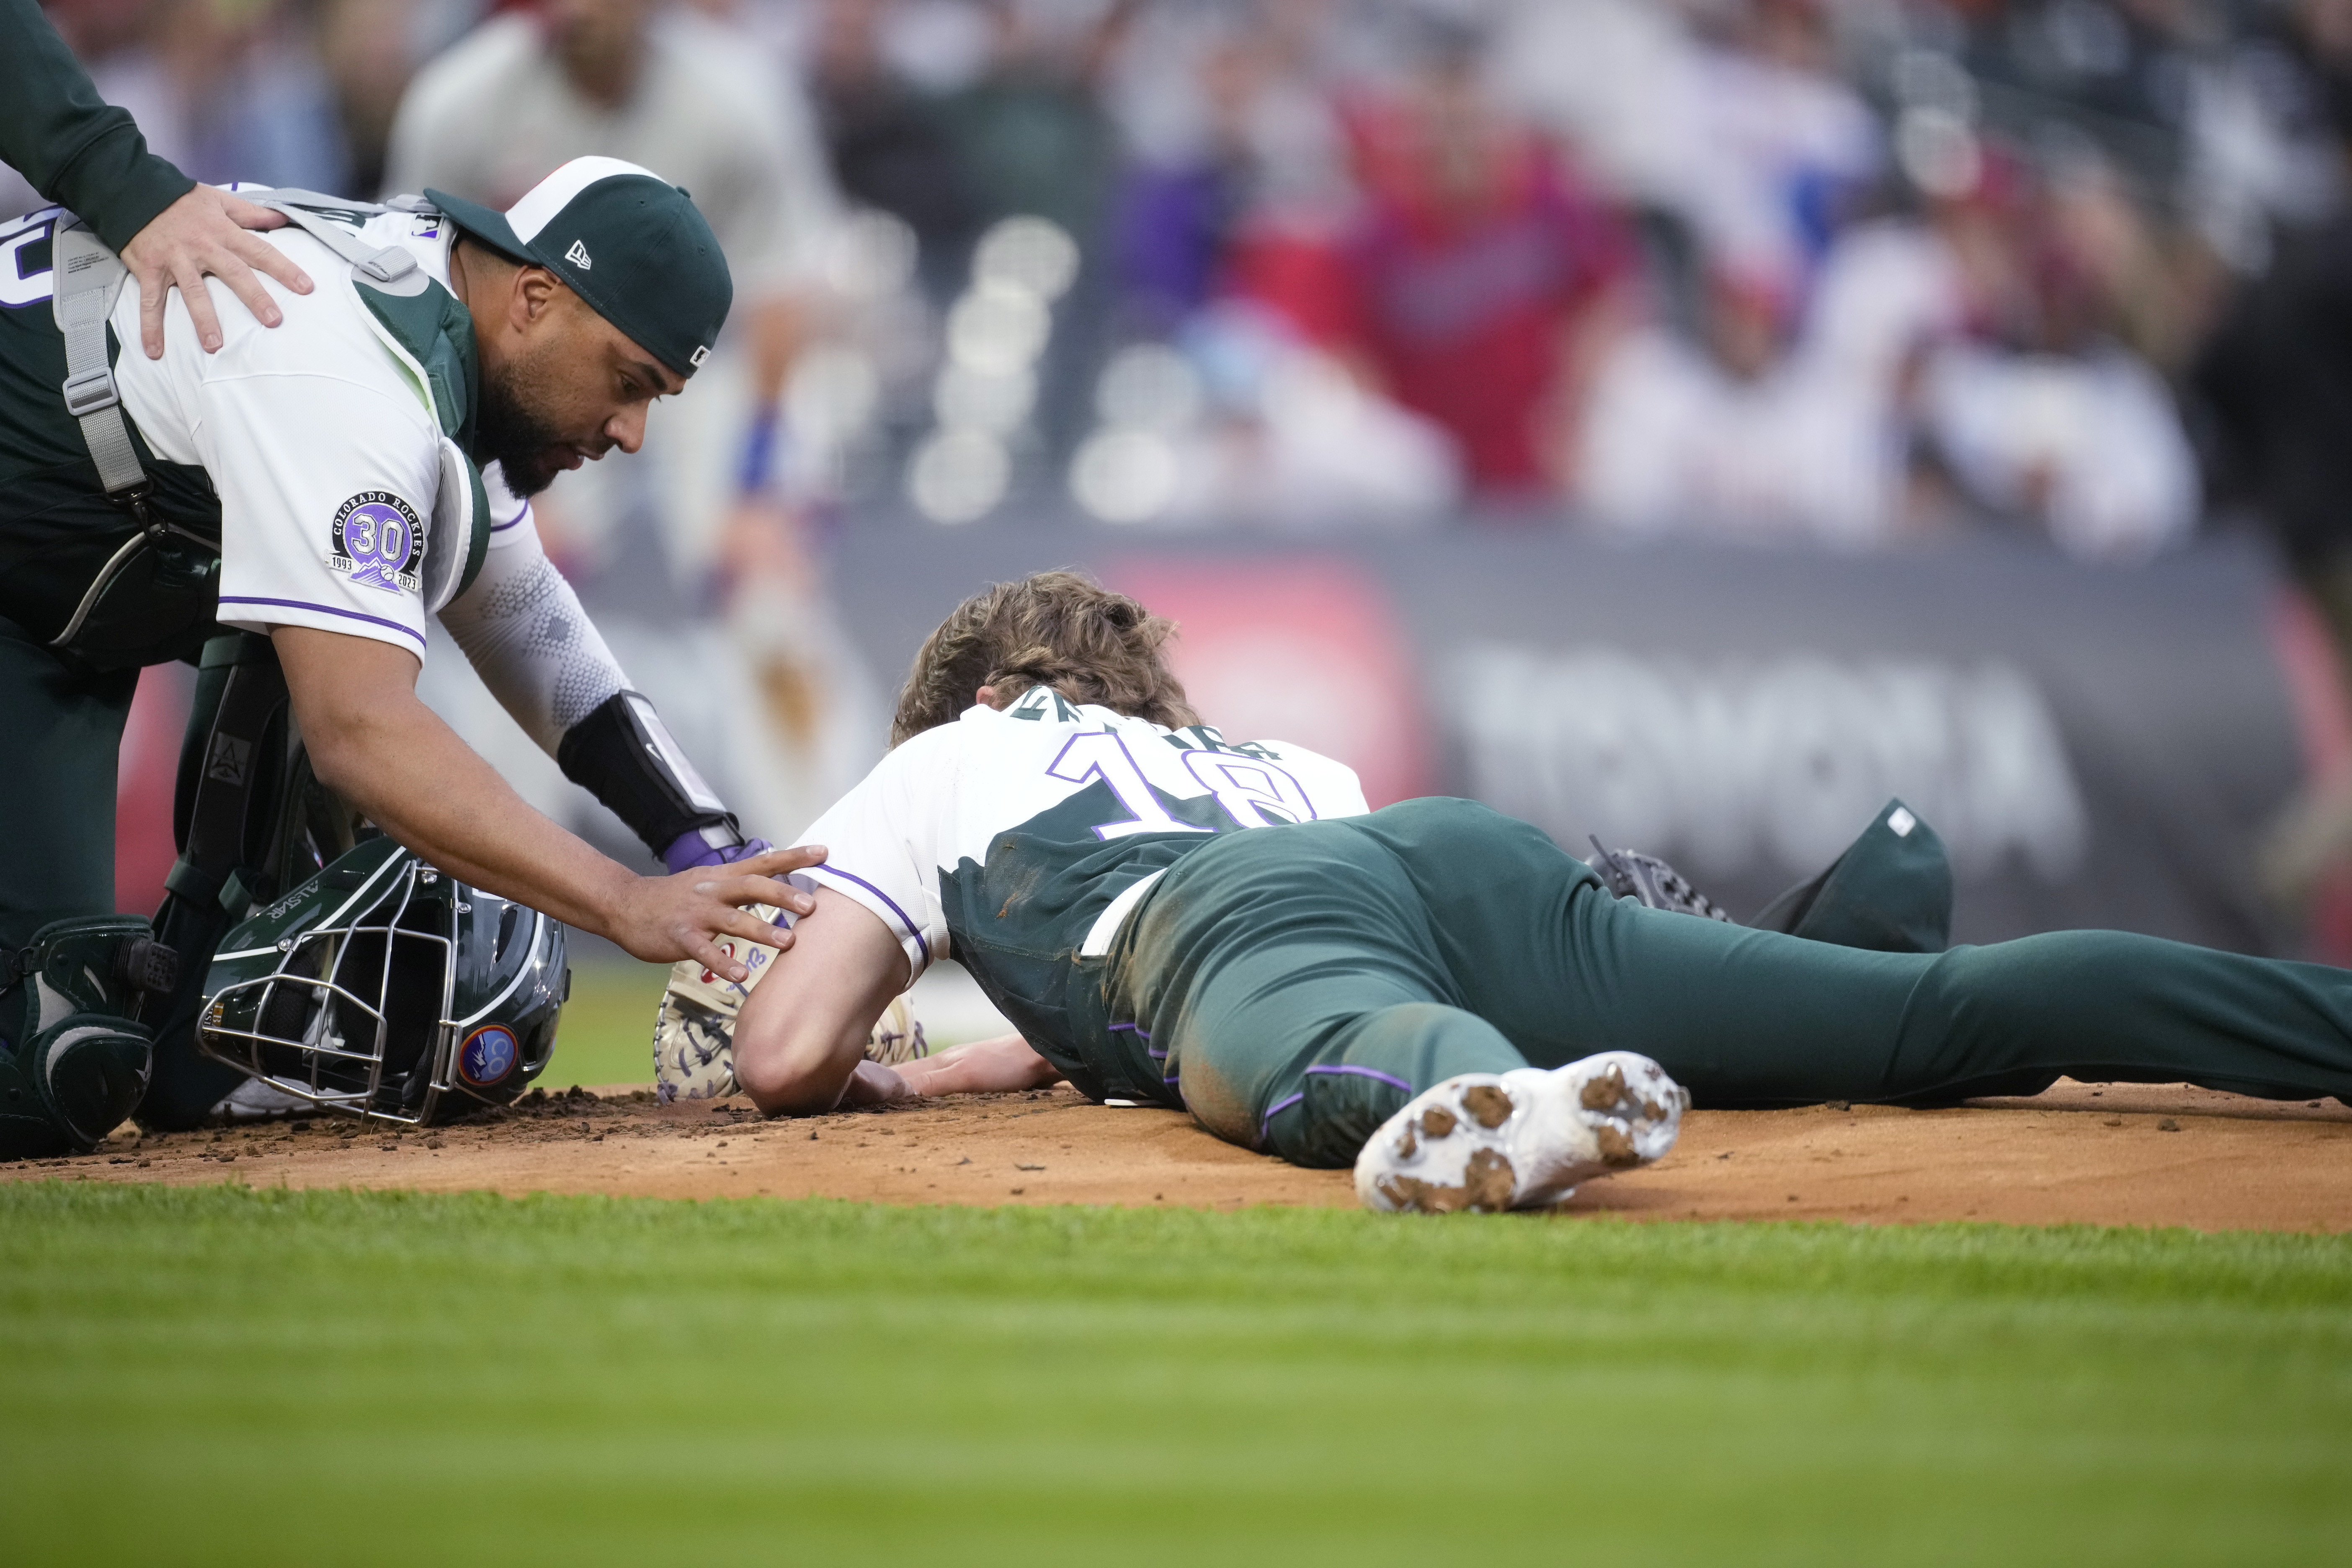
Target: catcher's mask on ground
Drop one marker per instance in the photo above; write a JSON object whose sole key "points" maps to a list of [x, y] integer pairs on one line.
{"points": [[385, 987]]}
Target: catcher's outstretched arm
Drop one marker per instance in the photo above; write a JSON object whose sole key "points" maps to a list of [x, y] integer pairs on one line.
{"points": [[373, 742], [800, 1040], [523, 630]]}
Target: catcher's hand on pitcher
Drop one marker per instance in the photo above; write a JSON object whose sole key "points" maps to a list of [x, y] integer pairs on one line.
{"points": [[716, 915]]}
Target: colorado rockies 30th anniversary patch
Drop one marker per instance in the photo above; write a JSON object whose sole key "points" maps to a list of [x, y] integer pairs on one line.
{"points": [[377, 541]]}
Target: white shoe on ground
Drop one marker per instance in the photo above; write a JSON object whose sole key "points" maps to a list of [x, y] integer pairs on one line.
{"points": [[1523, 1139], [254, 1100]]}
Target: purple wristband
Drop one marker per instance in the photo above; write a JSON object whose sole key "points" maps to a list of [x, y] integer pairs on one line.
{"points": [[689, 850]]}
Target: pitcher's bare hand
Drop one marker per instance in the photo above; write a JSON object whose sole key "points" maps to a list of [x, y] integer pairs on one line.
{"points": [[871, 1083], [665, 918], [206, 231]]}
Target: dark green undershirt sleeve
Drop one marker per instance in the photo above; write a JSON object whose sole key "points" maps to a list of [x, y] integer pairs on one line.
{"points": [[70, 145]]}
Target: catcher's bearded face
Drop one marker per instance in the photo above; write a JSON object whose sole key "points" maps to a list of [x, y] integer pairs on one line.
{"points": [[569, 389]]}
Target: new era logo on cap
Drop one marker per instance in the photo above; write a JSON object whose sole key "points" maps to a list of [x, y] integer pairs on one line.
{"points": [[578, 257]]}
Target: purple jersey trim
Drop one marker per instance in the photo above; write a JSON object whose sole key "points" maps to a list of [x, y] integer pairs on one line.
{"points": [[520, 513], [1367, 1072], [325, 610], [912, 928]]}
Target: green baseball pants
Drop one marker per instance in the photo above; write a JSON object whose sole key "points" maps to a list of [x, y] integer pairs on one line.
{"points": [[57, 795], [64, 724], [1301, 983]]}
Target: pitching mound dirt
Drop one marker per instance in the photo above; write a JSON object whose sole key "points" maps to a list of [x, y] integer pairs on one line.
{"points": [[2110, 1154]]}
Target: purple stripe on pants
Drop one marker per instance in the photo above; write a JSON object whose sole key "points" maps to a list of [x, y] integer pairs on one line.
{"points": [[1367, 1072], [1265, 1124]]}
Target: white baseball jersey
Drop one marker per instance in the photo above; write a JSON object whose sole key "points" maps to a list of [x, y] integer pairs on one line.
{"points": [[1043, 825], [323, 452], [321, 444]]}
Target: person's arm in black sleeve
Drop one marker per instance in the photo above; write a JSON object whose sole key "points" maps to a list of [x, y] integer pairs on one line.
{"points": [[71, 145], [84, 154]]}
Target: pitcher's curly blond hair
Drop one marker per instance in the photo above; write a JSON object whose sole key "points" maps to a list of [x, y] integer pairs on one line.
{"points": [[1060, 629]]}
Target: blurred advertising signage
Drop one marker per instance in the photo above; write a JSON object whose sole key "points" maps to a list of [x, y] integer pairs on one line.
{"points": [[2098, 747], [1742, 765], [1305, 650]]}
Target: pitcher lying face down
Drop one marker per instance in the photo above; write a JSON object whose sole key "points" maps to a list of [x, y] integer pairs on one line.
{"points": [[1432, 993]]}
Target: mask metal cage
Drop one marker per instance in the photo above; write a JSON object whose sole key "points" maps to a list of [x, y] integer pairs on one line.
{"points": [[356, 1015]]}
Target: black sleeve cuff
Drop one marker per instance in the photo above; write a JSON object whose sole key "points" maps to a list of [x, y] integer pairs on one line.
{"points": [[622, 754]]}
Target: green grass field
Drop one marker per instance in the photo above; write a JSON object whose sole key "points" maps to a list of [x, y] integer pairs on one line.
{"points": [[259, 1377], [607, 1033]]}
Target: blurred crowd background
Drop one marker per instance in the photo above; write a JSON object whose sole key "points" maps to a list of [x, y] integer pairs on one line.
{"points": [[1841, 271], [1838, 274]]}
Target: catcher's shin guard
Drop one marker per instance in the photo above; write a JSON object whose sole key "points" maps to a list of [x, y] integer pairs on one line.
{"points": [[241, 822], [74, 1059]]}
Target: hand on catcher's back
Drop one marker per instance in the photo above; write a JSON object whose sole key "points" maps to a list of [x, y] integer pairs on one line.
{"points": [[665, 918], [205, 232]]}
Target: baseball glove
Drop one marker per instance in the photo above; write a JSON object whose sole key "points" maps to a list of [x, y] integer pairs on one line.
{"points": [[694, 1033], [1630, 874]]}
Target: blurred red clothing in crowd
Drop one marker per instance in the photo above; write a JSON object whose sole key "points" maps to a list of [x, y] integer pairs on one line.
{"points": [[1461, 281]]}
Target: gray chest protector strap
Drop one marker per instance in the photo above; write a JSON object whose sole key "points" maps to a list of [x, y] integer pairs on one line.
{"points": [[88, 279], [389, 264]]}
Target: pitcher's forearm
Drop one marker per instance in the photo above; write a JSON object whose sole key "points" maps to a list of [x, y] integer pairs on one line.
{"points": [[985, 1066]]}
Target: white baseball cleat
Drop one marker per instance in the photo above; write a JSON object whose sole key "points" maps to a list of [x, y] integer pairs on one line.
{"points": [[1519, 1139]]}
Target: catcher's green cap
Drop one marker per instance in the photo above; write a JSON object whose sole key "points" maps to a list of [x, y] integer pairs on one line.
{"points": [[626, 240]]}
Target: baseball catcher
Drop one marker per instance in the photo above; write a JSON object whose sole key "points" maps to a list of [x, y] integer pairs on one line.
{"points": [[285, 514]]}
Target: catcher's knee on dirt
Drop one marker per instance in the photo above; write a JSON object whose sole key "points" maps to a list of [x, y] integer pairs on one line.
{"points": [[74, 1057]]}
